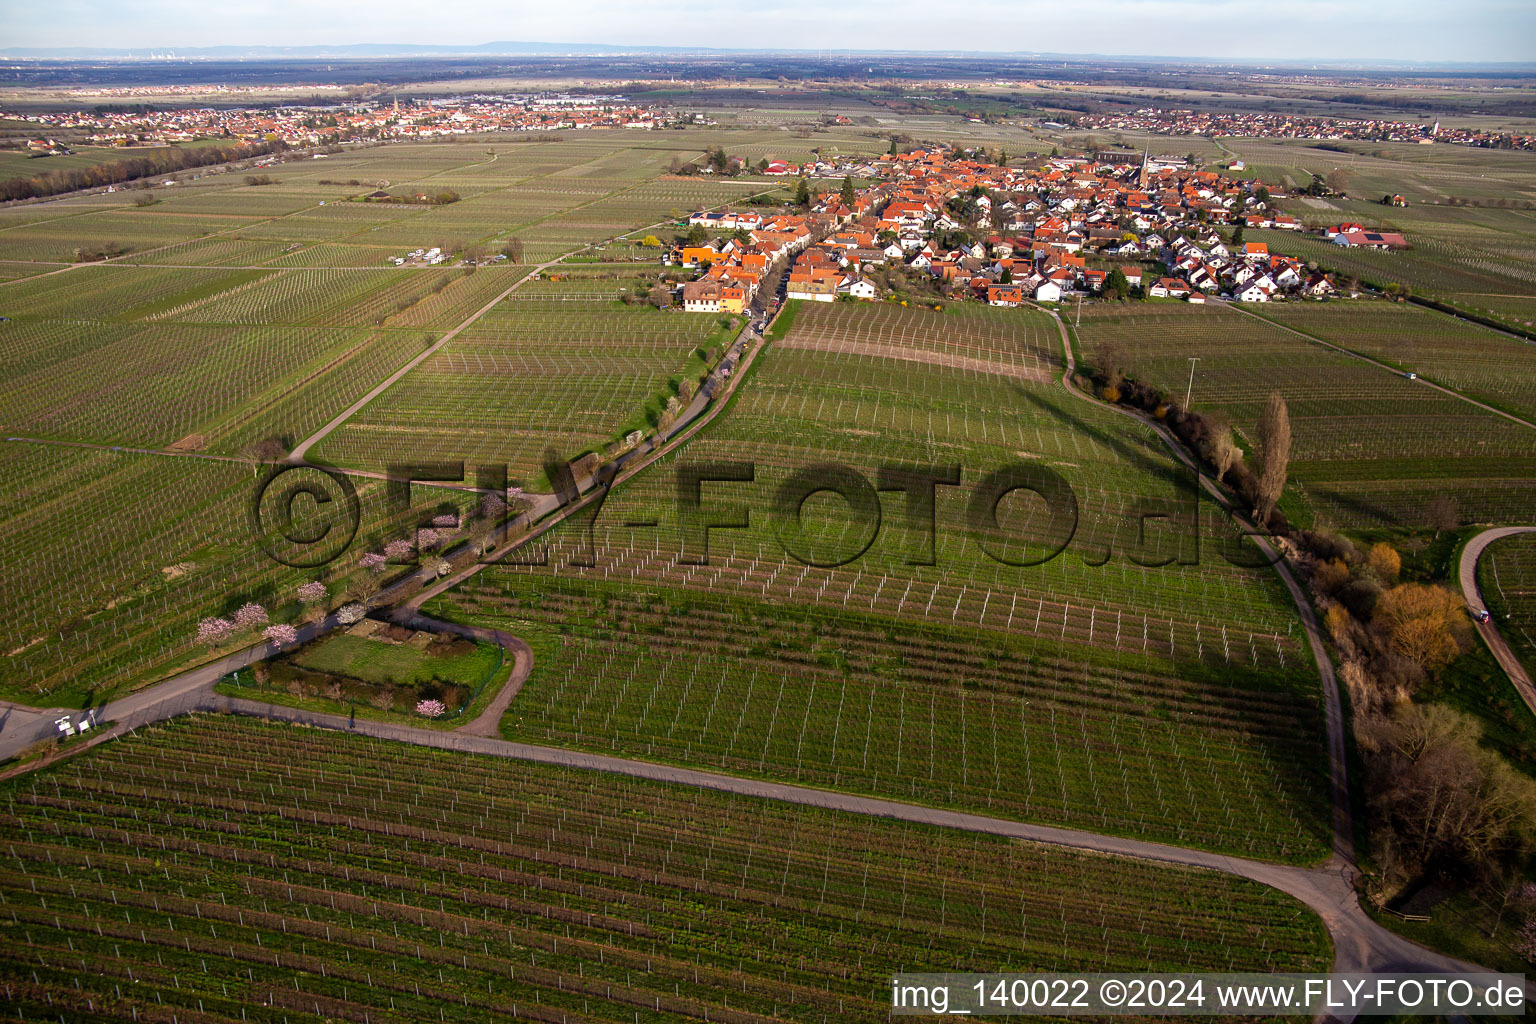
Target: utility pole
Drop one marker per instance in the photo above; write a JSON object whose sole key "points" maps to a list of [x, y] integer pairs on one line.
{"points": [[1191, 388], [1079, 322]]}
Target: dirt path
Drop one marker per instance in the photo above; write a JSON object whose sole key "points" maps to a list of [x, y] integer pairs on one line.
{"points": [[1489, 631], [488, 722]]}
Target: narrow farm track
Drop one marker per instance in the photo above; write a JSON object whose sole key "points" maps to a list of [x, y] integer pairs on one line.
{"points": [[378, 389], [304, 446], [488, 722], [1452, 392], [1467, 572]]}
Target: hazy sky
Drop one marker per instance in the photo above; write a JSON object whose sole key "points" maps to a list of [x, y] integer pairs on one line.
{"points": [[1460, 30]]}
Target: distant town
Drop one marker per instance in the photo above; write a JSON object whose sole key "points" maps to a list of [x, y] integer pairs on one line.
{"points": [[1289, 126], [332, 125], [958, 226]]}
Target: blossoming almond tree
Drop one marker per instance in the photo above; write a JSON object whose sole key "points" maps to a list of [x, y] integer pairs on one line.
{"points": [[250, 616], [212, 632]]}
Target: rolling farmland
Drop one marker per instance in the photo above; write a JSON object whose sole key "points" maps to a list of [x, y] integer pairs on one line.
{"points": [[335, 876], [253, 315], [1076, 647], [1370, 448], [1473, 360]]}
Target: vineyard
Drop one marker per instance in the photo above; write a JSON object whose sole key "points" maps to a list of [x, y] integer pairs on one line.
{"points": [[116, 556], [1478, 259], [968, 386], [1369, 447], [1506, 577], [328, 876], [1039, 728], [247, 316], [1491, 367], [558, 364], [1105, 629]]}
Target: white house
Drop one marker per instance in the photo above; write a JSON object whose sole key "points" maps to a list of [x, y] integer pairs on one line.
{"points": [[1048, 291], [859, 288]]}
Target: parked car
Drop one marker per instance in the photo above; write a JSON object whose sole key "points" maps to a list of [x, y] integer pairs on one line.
{"points": [[1483, 615]]}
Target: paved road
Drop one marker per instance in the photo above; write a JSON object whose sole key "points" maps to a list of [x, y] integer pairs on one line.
{"points": [[1489, 631], [22, 727]]}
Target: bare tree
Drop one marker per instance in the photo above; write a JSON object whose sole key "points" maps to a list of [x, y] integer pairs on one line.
{"points": [[1113, 359], [1443, 513], [1217, 446], [1445, 798], [1274, 455]]}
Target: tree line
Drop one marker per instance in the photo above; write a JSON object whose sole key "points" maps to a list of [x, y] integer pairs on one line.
{"points": [[147, 165]]}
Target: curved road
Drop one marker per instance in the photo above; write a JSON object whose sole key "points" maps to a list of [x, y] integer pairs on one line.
{"points": [[1467, 571]]}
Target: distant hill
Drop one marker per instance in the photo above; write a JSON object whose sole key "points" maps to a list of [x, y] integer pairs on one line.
{"points": [[508, 49], [536, 49]]}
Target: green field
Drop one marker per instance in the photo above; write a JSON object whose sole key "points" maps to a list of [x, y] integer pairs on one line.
{"points": [[1174, 702], [1506, 576], [325, 875], [249, 316], [1370, 448], [378, 662], [1493, 368]]}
